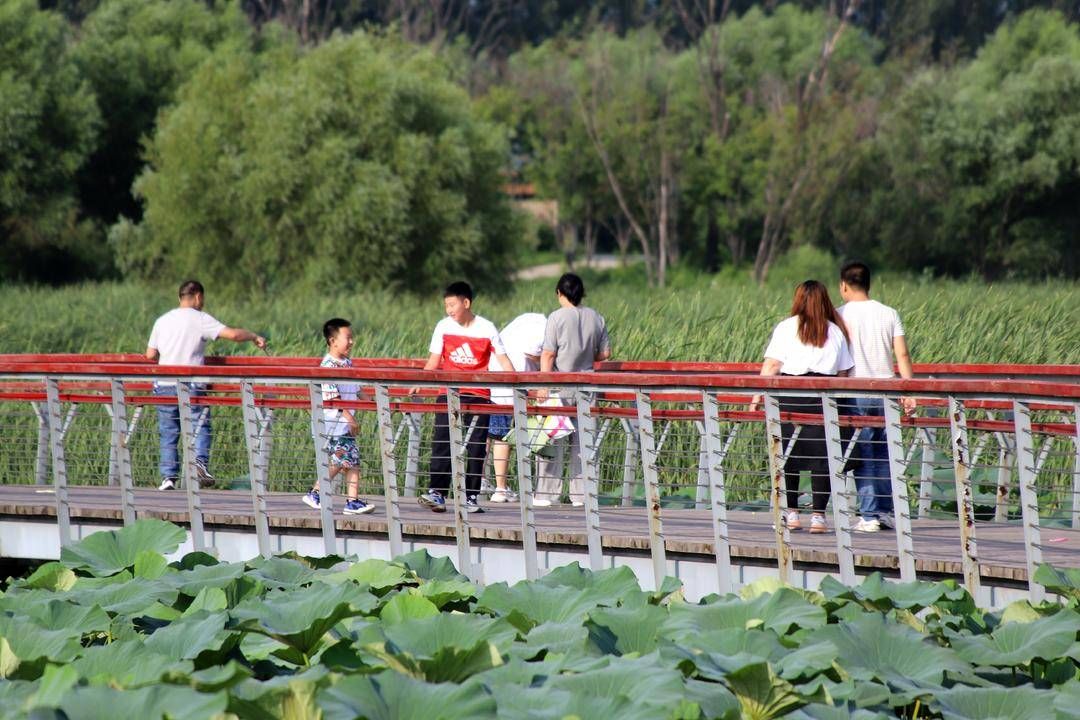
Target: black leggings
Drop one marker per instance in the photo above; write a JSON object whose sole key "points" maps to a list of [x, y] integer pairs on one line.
{"points": [[808, 453], [475, 450]]}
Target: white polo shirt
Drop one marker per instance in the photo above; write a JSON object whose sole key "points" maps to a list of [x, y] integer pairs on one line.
{"points": [[180, 337]]}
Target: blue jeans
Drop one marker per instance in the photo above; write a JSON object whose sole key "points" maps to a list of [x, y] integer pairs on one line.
{"points": [[872, 480], [169, 432]]}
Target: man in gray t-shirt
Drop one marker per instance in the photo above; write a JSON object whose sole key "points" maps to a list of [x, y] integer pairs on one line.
{"points": [[574, 338]]}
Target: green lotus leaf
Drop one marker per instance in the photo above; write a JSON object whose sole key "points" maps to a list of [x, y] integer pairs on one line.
{"points": [[779, 611], [425, 637], [14, 694], [27, 642], [96, 583], [195, 559], [108, 552], [187, 638], [761, 694], [194, 580], [391, 696], [55, 682], [445, 592], [547, 704], [643, 680], [881, 594], [218, 677], [869, 648], [762, 586], [150, 565], [53, 614], [427, 567], [52, 576], [1018, 703], [150, 703], [300, 618], [408, 605], [609, 587], [211, 599], [1019, 643], [282, 572], [1062, 581], [817, 711], [715, 700], [553, 638], [764, 645], [807, 661], [273, 698], [126, 663], [375, 573], [129, 598], [1067, 698], [539, 603], [1020, 611], [626, 630]]}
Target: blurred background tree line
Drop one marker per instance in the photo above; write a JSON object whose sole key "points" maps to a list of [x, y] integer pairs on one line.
{"points": [[267, 143]]}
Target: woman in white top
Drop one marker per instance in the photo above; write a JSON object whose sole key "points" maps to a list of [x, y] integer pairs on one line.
{"points": [[813, 341]]}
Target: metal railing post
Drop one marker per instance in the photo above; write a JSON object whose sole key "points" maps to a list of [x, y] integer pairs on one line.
{"points": [[701, 489], [778, 498], [41, 461], [412, 453], [253, 443], [121, 465], [590, 456], [525, 485], [630, 462], [59, 463], [845, 557], [322, 469], [926, 472], [652, 486], [905, 549], [1029, 499], [965, 501], [1076, 470], [389, 469], [458, 462], [191, 482], [715, 452]]}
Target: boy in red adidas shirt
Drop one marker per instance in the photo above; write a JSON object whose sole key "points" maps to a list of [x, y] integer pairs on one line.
{"points": [[461, 341]]}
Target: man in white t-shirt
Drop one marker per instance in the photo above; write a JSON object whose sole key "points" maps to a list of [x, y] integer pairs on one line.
{"points": [[179, 337], [523, 339], [877, 337]]}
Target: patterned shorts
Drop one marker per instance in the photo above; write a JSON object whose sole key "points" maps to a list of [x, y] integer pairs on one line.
{"points": [[343, 452]]}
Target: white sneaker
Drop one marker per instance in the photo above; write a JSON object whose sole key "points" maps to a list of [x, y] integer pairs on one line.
{"points": [[791, 520], [577, 503], [167, 484], [818, 524], [867, 526], [541, 502], [503, 496]]}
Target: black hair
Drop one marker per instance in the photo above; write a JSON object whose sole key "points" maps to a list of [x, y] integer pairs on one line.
{"points": [[190, 288], [856, 274], [332, 327], [571, 287], [459, 289]]}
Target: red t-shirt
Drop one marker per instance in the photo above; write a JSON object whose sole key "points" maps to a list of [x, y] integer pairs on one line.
{"points": [[467, 348]]}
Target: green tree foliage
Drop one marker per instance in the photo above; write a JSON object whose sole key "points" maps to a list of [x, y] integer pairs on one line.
{"points": [[978, 169], [48, 124], [135, 54], [357, 162]]}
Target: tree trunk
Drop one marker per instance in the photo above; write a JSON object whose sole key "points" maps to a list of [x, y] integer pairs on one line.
{"points": [[712, 244]]}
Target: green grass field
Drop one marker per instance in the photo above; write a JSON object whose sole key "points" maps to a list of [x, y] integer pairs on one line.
{"points": [[723, 319]]}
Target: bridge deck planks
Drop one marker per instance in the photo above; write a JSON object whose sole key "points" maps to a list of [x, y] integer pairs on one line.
{"points": [[936, 542]]}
